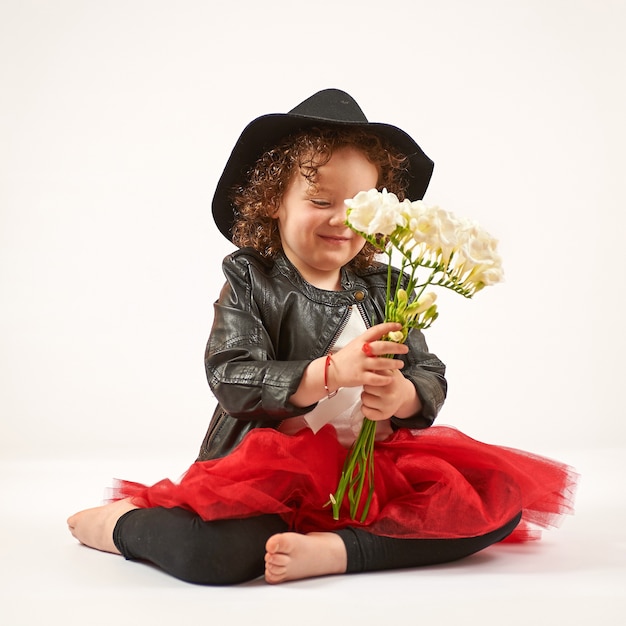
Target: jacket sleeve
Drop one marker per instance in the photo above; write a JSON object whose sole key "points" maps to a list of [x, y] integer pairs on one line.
{"points": [[240, 360], [427, 373]]}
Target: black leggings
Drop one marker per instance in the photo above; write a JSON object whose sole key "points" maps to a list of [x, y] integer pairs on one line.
{"points": [[226, 552]]}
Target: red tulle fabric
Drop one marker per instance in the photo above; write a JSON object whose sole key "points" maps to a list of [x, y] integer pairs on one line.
{"points": [[433, 483]]}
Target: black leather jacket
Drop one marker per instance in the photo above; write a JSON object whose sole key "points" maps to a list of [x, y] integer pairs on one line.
{"points": [[269, 324]]}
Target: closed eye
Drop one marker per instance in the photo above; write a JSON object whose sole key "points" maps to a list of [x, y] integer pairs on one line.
{"points": [[322, 204]]}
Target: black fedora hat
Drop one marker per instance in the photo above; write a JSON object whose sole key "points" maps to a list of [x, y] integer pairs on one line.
{"points": [[330, 106]]}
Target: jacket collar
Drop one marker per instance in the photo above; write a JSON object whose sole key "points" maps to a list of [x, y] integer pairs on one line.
{"points": [[351, 283]]}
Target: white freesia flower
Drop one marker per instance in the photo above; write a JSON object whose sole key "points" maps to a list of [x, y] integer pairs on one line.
{"points": [[424, 302], [478, 245], [373, 212], [486, 276], [478, 257], [433, 227], [362, 210]]}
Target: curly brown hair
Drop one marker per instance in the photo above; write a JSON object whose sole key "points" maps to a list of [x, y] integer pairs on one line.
{"points": [[304, 152]]}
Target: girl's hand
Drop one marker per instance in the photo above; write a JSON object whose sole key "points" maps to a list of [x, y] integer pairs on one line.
{"points": [[364, 360], [398, 398]]}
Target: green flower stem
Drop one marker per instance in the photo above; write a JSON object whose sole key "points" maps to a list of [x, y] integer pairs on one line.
{"points": [[358, 470], [388, 301]]}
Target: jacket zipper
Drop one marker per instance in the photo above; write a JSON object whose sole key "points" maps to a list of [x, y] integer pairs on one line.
{"points": [[344, 323], [361, 309]]}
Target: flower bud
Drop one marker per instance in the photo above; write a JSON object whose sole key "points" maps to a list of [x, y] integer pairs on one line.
{"points": [[421, 305], [397, 336]]}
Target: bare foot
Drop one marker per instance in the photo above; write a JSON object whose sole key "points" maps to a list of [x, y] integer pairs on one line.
{"points": [[292, 556], [94, 527]]}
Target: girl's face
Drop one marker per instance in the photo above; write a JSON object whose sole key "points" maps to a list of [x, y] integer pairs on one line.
{"points": [[311, 225]]}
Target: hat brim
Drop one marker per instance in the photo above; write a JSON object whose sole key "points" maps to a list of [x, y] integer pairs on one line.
{"points": [[266, 131]]}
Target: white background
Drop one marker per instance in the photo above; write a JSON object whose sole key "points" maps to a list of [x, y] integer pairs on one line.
{"points": [[116, 118]]}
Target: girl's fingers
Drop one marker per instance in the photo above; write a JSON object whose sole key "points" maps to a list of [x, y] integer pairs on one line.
{"points": [[384, 367], [373, 344], [382, 348], [380, 330], [379, 378]]}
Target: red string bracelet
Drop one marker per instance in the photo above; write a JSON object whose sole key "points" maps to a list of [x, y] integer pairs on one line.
{"points": [[326, 366]]}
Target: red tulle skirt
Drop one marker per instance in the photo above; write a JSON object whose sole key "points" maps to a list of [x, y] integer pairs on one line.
{"points": [[436, 483]]}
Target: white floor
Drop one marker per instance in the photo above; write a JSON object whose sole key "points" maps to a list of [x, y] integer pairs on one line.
{"points": [[575, 575]]}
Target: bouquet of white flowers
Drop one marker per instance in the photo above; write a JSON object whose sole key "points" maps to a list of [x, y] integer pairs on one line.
{"points": [[455, 253]]}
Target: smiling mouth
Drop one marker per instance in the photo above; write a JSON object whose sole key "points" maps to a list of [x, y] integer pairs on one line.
{"points": [[334, 238]]}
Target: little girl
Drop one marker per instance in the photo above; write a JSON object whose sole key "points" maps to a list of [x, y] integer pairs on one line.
{"points": [[296, 360]]}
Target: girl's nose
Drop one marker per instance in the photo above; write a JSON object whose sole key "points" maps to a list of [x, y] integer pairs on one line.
{"points": [[339, 216]]}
